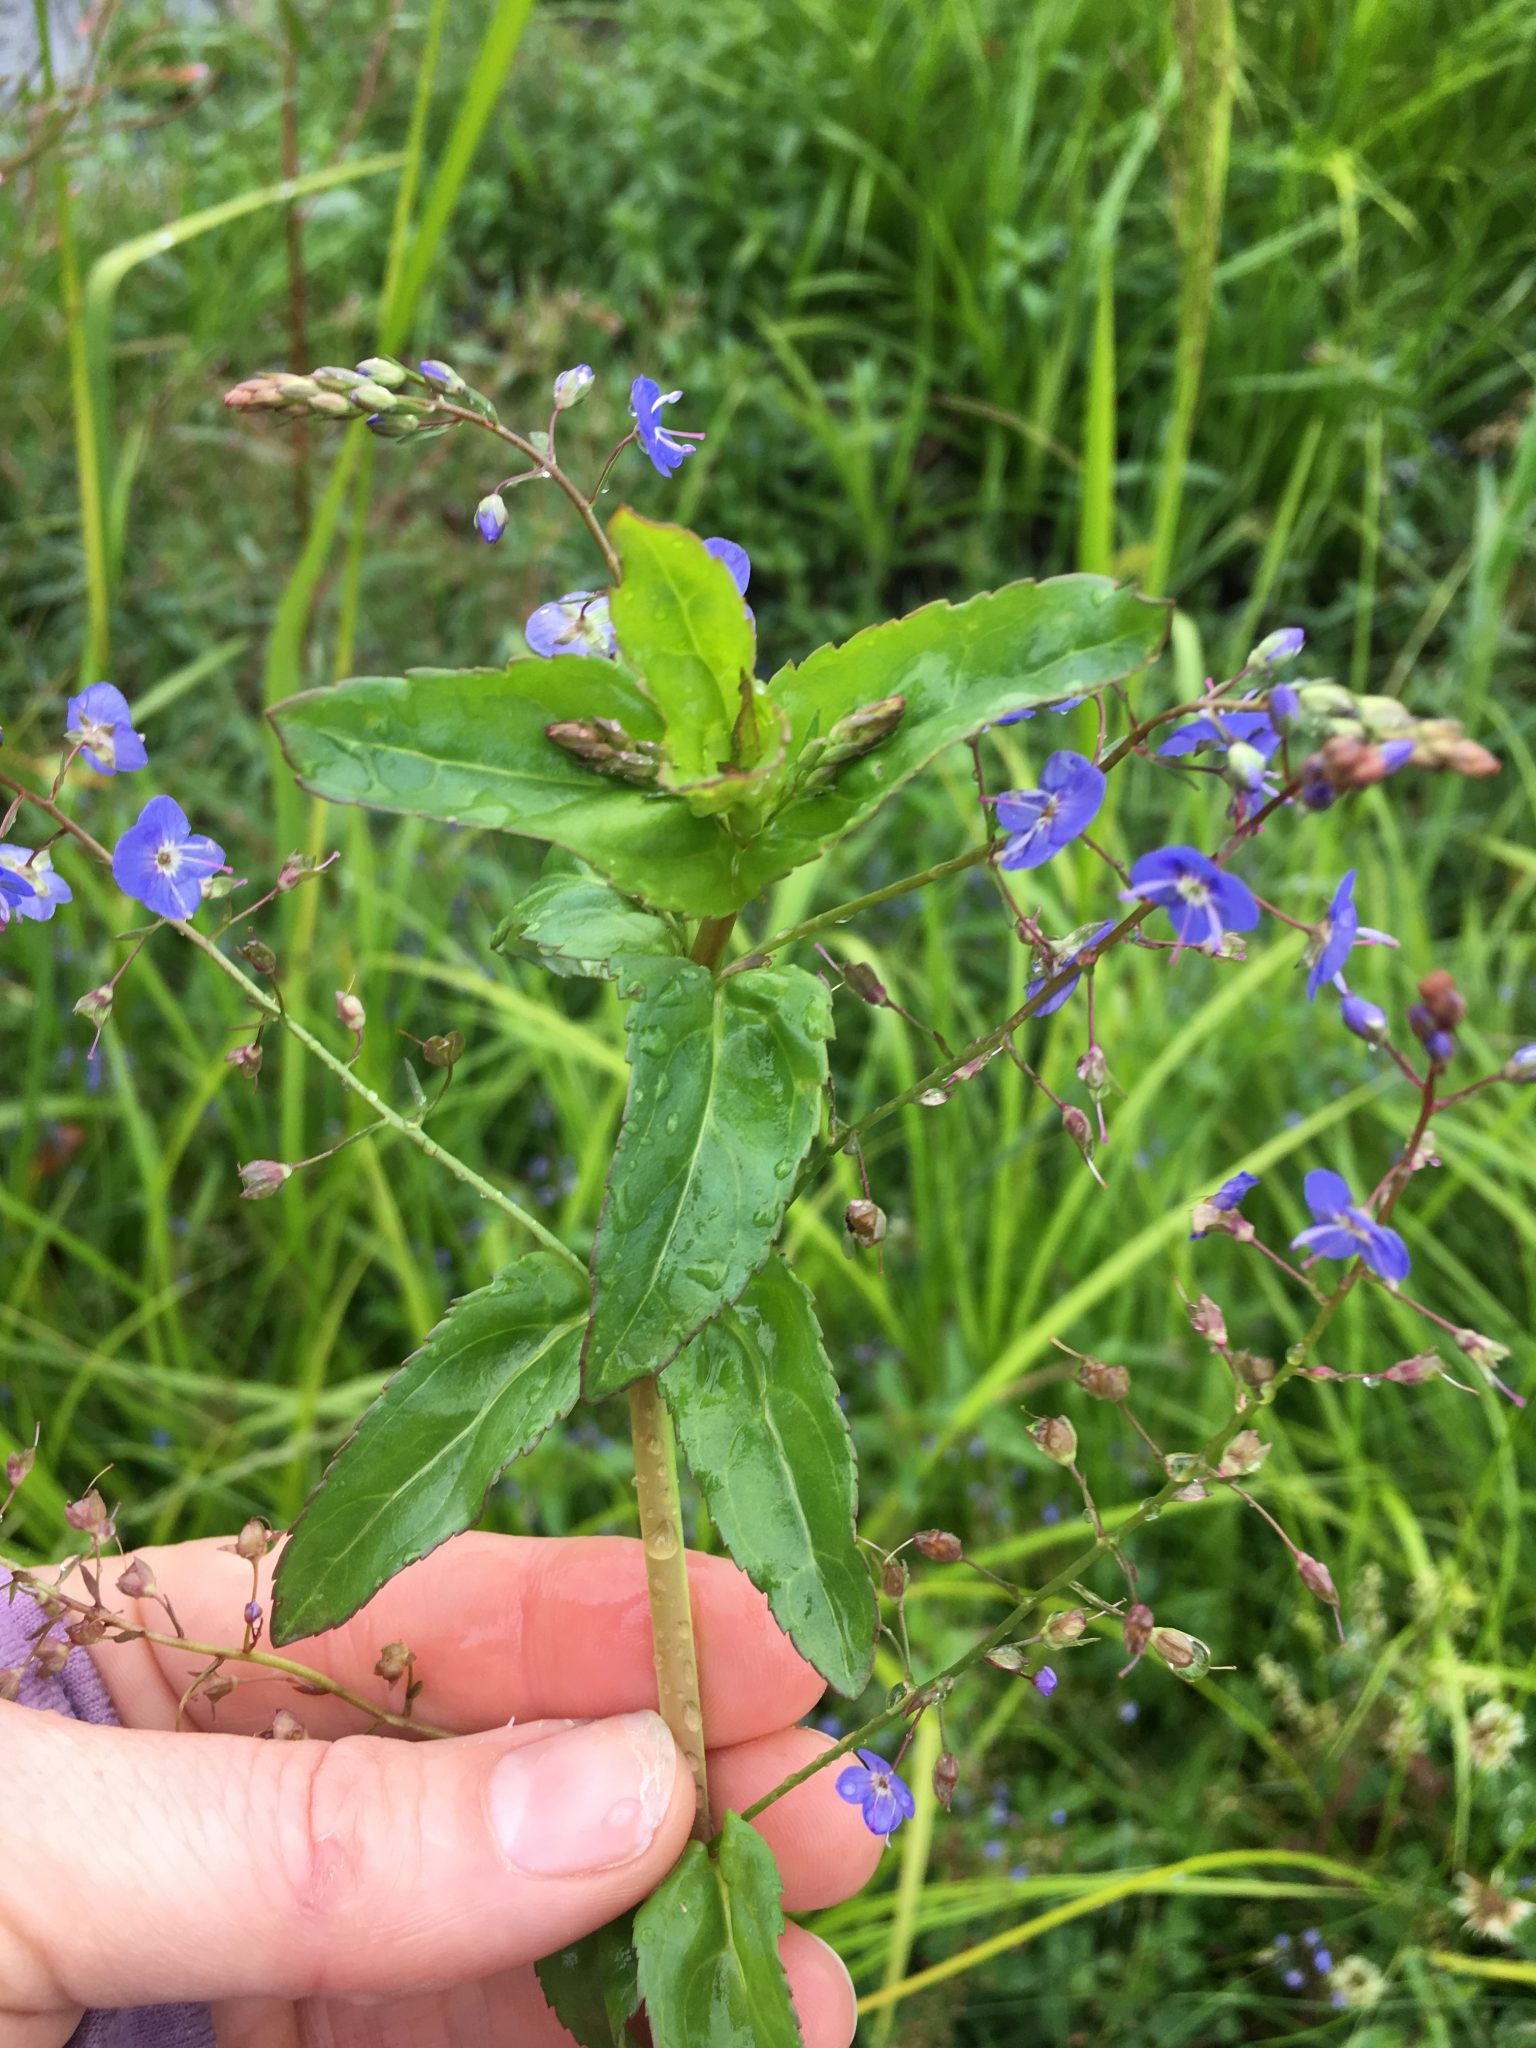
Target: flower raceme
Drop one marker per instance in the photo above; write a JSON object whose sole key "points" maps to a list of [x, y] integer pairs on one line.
{"points": [[162, 863], [1203, 901], [1040, 822], [872, 1785], [1343, 1230]]}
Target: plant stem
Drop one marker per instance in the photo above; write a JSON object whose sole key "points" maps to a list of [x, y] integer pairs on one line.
{"points": [[549, 467], [844, 911], [666, 1579]]}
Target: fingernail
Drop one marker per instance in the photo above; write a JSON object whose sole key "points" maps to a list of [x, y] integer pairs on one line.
{"points": [[584, 1800]]}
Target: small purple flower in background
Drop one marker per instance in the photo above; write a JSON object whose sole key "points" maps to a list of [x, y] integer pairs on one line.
{"points": [[29, 885], [1334, 937], [1045, 1681], [1250, 728], [735, 559], [1203, 902], [1367, 1020], [162, 863], [873, 1785], [1068, 957], [667, 451], [1343, 1230], [1397, 753], [1040, 822], [101, 726], [1282, 645], [1034, 710], [578, 623]]}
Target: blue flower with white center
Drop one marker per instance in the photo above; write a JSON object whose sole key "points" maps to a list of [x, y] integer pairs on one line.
{"points": [[1343, 1230], [1365, 1019], [1034, 710], [667, 449], [1040, 822], [1067, 956], [1227, 729], [162, 863], [101, 726], [34, 871], [1203, 901], [1334, 937], [872, 1785], [578, 623]]}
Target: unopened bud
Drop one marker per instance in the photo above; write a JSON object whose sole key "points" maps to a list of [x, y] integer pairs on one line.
{"points": [[350, 1013], [260, 1178], [1285, 712], [259, 956], [1437, 1040], [1349, 764], [865, 1222], [939, 1546], [444, 1049], [1520, 1066], [1104, 1382], [253, 1542], [371, 396], [300, 867], [946, 1776], [85, 1634], [1283, 645], [1469, 757], [1326, 700], [1443, 999], [96, 1004], [1057, 1438], [1317, 1578], [245, 1059], [893, 1578], [1007, 1657], [1093, 1072], [859, 733], [1244, 767], [1137, 1631], [253, 1614], [1252, 1369], [443, 375], [572, 386], [11, 1676], [1365, 1019], [1185, 1655], [1207, 1321], [386, 371], [286, 1727], [603, 745], [491, 517], [17, 1465], [865, 983], [1065, 1628], [50, 1656], [332, 377], [89, 1515], [136, 1581], [1246, 1453], [1413, 1372], [395, 1660]]}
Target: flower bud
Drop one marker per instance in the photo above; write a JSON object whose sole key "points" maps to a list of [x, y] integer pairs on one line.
{"points": [[1282, 645], [1104, 1382], [1520, 1066], [1443, 999], [86, 1633], [1438, 1042], [1413, 1372], [1093, 1072], [1185, 1655], [1467, 757], [89, 1515], [1065, 1628], [386, 371], [350, 1013], [260, 956], [369, 396], [1137, 1631], [1482, 1351], [245, 1059], [50, 1656], [865, 1223], [17, 1466], [865, 983], [331, 377], [1007, 1657], [1057, 1438], [395, 1660], [1285, 712], [572, 386], [938, 1546], [1317, 1578], [1245, 767], [253, 1542], [444, 1049], [260, 1178], [392, 426], [1325, 700], [443, 375], [136, 1581], [286, 1727], [217, 1688], [1366, 1020], [1246, 1453], [1207, 1321], [946, 1775], [1253, 1370], [329, 405], [11, 1676], [1349, 763], [301, 867], [894, 1578], [253, 1614], [491, 517]]}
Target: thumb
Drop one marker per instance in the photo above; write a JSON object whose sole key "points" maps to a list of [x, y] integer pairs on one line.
{"points": [[145, 1867]]}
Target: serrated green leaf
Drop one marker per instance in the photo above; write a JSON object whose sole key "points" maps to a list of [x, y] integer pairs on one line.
{"points": [[503, 1365], [683, 629], [756, 1410], [470, 747], [575, 923], [724, 1099], [708, 1943], [593, 1984]]}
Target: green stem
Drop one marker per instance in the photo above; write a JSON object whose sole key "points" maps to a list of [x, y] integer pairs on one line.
{"points": [[844, 911], [550, 468], [666, 1579], [274, 1013]]}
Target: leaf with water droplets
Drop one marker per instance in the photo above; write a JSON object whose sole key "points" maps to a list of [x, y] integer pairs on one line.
{"points": [[572, 922], [707, 1940], [501, 1367], [756, 1410], [698, 1188]]}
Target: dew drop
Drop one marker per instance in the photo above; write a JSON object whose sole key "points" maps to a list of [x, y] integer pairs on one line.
{"points": [[661, 1543], [673, 1124]]}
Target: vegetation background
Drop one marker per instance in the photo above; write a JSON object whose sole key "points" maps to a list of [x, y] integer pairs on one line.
{"points": [[955, 289]]}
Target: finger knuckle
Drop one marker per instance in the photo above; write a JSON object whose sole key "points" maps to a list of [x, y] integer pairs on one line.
{"points": [[333, 1801]]}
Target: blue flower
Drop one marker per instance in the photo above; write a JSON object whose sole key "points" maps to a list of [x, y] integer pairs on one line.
{"points": [[162, 863], [1069, 956], [1013, 717], [872, 1785], [1322, 1960], [668, 451], [735, 559], [1334, 936], [1203, 902], [1252, 728], [101, 726], [1040, 822], [1367, 1020], [1345, 1231], [578, 623], [27, 878], [1045, 1681]]}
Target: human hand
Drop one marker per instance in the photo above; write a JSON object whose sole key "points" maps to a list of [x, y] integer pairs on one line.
{"points": [[356, 1892]]}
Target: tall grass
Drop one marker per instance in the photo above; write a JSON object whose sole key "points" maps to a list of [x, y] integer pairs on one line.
{"points": [[934, 280]]}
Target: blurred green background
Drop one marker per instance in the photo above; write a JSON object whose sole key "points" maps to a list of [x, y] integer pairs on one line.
{"points": [[1239, 304]]}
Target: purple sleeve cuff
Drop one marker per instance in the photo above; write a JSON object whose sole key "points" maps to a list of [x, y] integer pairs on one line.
{"points": [[79, 1695]]}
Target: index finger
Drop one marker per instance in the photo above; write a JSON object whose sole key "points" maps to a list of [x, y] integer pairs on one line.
{"points": [[502, 1627]]}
